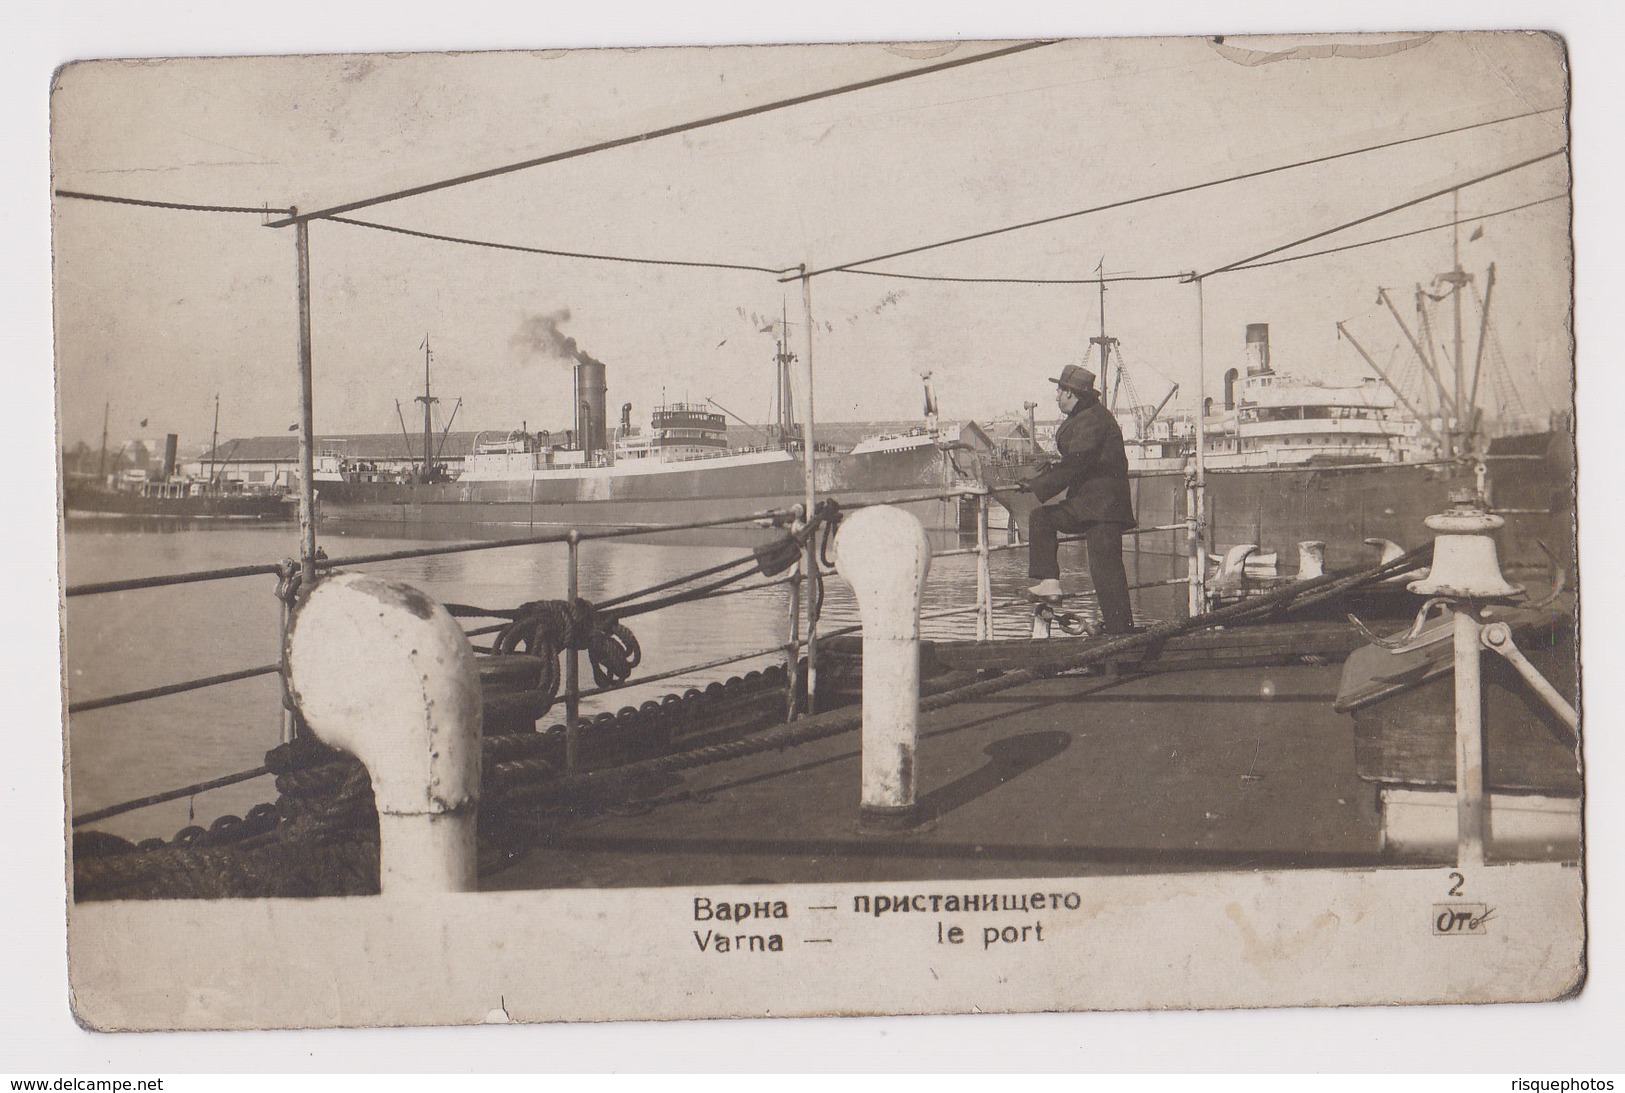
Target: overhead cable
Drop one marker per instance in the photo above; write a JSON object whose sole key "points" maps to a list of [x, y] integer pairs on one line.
{"points": [[1188, 275], [1389, 210], [845, 267], [1401, 235], [114, 200], [554, 253], [1096, 280], [670, 130]]}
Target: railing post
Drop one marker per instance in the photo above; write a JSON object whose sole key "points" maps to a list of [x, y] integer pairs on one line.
{"points": [[307, 426], [884, 555], [984, 574], [812, 576], [383, 672], [289, 578], [792, 650], [809, 454], [572, 661], [1196, 483], [1196, 548], [1472, 817], [287, 699]]}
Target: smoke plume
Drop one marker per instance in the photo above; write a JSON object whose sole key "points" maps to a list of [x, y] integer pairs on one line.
{"points": [[540, 335]]}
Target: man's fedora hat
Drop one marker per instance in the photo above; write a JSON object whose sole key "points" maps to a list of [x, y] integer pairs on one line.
{"points": [[1076, 378]]}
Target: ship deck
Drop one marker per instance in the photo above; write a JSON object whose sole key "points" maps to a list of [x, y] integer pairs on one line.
{"points": [[1228, 768]]}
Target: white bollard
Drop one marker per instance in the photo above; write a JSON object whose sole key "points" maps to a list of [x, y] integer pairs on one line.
{"points": [[1391, 551], [385, 673], [1311, 559], [883, 553]]}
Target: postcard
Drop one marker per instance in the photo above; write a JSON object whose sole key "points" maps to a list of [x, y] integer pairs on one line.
{"points": [[895, 528]]}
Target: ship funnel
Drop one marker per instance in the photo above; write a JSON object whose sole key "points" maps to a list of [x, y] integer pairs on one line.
{"points": [[1258, 349], [590, 397], [626, 418], [170, 442]]}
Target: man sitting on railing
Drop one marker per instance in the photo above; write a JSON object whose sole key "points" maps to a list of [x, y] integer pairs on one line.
{"points": [[1092, 467]]}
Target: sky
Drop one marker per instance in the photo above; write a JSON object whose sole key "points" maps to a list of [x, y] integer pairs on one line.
{"points": [[159, 311]]}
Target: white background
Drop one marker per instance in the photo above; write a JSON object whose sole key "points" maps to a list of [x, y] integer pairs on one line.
{"points": [[37, 1034]]}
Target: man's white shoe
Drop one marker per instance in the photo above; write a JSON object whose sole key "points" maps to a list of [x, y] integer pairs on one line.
{"points": [[1048, 589]]}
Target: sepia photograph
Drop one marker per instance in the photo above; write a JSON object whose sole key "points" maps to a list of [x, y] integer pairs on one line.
{"points": [[1032, 524]]}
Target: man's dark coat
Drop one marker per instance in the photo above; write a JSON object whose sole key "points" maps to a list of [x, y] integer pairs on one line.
{"points": [[1092, 468]]}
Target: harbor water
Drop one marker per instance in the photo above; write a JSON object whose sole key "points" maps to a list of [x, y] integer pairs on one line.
{"points": [[127, 641]]}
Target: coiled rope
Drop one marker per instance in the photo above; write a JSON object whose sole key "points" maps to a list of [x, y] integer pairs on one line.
{"points": [[545, 628]]}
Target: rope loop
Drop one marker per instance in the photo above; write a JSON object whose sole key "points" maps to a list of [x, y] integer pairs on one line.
{"points": [[828, 513], [545, 628], [288, 579], [614, 653]]}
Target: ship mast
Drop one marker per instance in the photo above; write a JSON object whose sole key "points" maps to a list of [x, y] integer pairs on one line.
{"points": [[783, 412], [428, 401], [101, 467], [1457, 399], [1483, 333], [214, 440], [1457, 279], [1106, 344]]}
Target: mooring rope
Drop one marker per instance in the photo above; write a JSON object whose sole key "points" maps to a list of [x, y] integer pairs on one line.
{"points": [[321, 836], [545, 628], [835, 722]]}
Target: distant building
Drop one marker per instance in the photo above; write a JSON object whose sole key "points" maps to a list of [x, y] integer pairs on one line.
{"points": [[273, 461]]}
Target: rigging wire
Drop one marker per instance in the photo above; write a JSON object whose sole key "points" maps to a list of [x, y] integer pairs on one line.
{"points": [[1497, 173], [1507, 390], [1183, 276], [670, 130], [1233, 267], [1407, 373], [845, 267], [182, 206], [1187, 276], [1401, 235], [554, 253]]}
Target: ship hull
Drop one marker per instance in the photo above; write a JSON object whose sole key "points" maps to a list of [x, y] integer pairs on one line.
{"points": [[79, 501], [600, 499], [1279, 507]]}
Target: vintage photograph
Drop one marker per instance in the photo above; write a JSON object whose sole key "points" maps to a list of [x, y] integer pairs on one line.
{"points": [[934, 527]]}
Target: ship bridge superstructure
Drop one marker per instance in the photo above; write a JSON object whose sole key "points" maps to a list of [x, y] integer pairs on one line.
{"points": [[677, 430], [1273, 419]]}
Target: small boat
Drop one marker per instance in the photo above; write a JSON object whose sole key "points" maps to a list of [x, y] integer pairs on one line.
{"points": [[181, 497], [139, 491]]}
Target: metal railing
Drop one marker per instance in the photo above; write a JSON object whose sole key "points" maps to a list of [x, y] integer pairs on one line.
{"points": [[573, 693]]}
